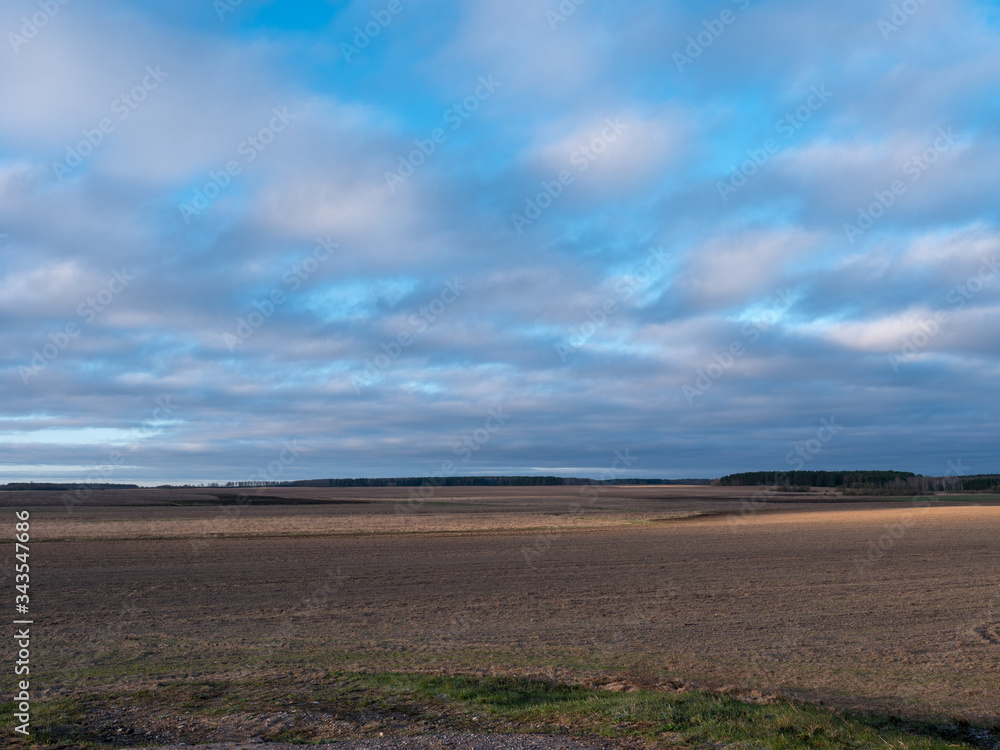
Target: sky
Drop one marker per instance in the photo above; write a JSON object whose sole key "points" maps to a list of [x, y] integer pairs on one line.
{"points": [[276, 241]]}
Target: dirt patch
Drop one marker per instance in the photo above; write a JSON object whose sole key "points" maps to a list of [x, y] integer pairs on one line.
{"points": [[989, 633]]}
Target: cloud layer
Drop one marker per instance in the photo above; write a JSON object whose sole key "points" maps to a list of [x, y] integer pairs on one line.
{"points": [[690, 232]]}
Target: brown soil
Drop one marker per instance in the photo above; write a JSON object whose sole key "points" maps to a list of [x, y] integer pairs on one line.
{"points": [[873, 605]]}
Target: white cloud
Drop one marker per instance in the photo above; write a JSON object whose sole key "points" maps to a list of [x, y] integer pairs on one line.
{"points": [[513, 40], [612, 150], [961, 250], [731, 270], [52, 288]]}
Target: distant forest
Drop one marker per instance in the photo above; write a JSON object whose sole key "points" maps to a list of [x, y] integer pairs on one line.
{"points": [[459, 482], [361, 482], [850, 482], [24, 486], [862, 482]]}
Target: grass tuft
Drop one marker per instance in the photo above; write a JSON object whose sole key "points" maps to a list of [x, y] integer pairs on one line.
{"points": [[403, 703]]}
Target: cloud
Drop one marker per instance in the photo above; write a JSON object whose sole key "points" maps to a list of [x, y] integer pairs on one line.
{"points": [[573, 323], [730, 271]]}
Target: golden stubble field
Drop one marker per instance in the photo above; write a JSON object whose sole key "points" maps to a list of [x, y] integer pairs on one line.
{"points": [[857, 604]]}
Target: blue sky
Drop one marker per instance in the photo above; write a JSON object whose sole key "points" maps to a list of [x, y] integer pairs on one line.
{"points": [[292, 240]]}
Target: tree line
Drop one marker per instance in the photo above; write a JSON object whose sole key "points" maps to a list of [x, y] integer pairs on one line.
{"points": [[863, 482]]}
